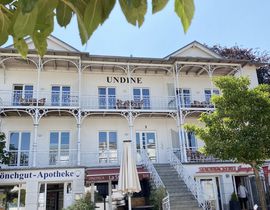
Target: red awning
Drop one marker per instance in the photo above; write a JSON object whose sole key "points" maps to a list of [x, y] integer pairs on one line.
{"points": [[106, 174]]}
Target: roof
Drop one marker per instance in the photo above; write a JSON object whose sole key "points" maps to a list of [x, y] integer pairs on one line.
{"points": [[205, 51], [53, 44]]}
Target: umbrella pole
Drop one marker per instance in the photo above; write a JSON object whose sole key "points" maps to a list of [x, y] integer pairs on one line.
{"points": [[129, 201]]}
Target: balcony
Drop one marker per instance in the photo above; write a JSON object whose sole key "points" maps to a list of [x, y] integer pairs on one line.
{"points": [[64, 158], [66, 100], [193, 155], [195, 102]]}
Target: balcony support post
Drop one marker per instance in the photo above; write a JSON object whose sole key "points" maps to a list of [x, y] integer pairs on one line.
{"points": [[34, 148], [80, 82], [38, 78], [79, 139], [179, 117], [131, 126]]}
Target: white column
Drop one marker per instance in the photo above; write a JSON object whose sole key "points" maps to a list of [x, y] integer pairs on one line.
{"points": [[34, 148], [79, 143], [80, 83], [110, 194], [93, 192]]}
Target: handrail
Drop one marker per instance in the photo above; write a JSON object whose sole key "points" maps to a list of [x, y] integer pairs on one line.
{"points": [[194, 187], [156, 178]]}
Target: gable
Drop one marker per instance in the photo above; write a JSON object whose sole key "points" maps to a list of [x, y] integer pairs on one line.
{"points": [[195, 49], [53, 43]]}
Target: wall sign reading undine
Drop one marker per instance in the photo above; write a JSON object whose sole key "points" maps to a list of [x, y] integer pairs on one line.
{"points": [[134, 80]]}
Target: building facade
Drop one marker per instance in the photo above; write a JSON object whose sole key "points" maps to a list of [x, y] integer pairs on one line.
{"points": [[66, 115]]}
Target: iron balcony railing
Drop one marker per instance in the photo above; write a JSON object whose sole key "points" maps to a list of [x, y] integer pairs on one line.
{"points": [[193, 155], [65, 157], [65, 99]]}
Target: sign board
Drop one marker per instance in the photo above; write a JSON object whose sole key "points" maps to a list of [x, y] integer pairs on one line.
{"points": [[41, 175], [225, 169]]}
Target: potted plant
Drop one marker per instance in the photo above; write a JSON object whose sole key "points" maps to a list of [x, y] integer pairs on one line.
{"points": [[234, 203]]}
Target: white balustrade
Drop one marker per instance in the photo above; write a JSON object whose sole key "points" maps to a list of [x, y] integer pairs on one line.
{"points": [[155, 177], [194, 186]]}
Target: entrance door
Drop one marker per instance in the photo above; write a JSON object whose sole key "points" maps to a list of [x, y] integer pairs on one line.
{"points": [[147, 140], [51, 196], [250, 185], [211, 189]]}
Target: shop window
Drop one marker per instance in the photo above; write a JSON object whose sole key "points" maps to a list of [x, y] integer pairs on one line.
{"points": [[19, 147], [59, 147], [12, 197], [107, 146]]}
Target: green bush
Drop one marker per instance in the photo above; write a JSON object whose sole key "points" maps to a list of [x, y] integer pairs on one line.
{"points": [[83, 203], [234, 197], [156, 197]]}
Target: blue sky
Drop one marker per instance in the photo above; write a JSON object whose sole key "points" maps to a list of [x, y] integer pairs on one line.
{"points": [[224, 22]]}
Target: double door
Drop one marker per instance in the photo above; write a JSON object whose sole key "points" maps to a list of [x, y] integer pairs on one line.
{"points": [[146, 140]]}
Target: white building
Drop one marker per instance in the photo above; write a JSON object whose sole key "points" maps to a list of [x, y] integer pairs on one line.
{"points": [[70, 111]]}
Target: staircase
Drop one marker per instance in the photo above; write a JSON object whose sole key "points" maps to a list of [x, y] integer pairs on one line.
{"points": [[180, 196]]}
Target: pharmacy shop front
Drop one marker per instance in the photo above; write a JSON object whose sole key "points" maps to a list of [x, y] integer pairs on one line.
{"points": [[44, 189]]}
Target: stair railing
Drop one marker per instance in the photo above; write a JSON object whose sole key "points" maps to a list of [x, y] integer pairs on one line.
{"points": [[194, 187], [156, 178]]}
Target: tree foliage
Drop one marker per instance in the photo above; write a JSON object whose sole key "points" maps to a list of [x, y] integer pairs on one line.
{"points": [[239, 128], [248, 54], [3, 153], [35, 18], [83, 203]]}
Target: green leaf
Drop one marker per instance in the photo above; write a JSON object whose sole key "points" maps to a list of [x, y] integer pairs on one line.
{"points": [[25, 23], [4, 26], [21, 46], [96, 12], [28, 5], [134, 11], [185, 10], [44, 25], [63, 14], [5, 1], [158, 5], [82, 28]]}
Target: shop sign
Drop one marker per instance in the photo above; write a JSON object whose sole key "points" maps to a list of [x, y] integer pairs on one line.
{"points": [[225, 169], [135, 80], [113, 177], [40, 175]]}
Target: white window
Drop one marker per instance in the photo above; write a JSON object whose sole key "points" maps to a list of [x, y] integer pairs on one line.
{"points": [[59, 147], [22, 94], [60, 95], [142, 94], [106, 97], [107, 146], [19, 148], [184, 97]]}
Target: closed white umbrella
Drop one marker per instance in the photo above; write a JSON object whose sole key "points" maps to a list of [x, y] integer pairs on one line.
{"points": [[128, 178]]}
